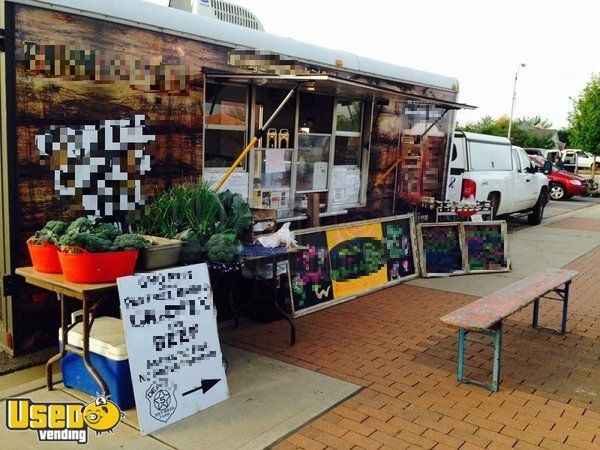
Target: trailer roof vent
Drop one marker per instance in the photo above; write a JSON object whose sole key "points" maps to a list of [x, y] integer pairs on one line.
{"points": [[221, 10]]}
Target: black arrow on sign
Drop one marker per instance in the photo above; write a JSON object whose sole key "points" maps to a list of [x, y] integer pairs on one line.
{"points": [[205, 386]]}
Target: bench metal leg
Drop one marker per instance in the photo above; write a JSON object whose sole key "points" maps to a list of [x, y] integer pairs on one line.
{"points": [[563, 326], [497, 356], [563, 295], [496, 334], [461, 354]]}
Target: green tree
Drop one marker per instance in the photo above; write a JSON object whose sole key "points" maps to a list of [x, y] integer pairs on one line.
{"points": [[535, 121], [585, 120]]}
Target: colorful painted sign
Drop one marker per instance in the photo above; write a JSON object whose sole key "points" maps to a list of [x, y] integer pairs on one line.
{"points": [[459, 248], [485, 244], [347, 260], [440, 249]]}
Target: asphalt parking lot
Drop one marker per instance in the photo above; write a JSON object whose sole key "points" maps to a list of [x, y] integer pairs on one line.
{"points": [[553, 209]]}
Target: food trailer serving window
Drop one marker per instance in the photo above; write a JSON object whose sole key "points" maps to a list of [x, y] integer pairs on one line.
{"points": [[314, 142], [226, 123], [348, 133], [347, 174], [272, 159]]}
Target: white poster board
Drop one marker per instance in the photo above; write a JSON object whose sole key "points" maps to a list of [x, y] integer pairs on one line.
{"points": [[173, 344], [320, 176], [345, 185], [237, 182], [274, 160]]}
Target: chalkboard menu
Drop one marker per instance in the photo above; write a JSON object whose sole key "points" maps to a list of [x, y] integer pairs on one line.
{"points": [[460, 248], [440, 247], [346, 260]]}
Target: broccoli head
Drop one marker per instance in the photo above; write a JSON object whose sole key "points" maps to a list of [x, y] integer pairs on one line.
{"points": [[106, 231], [130, 242], [80, 225], [87, 241], [221, 248], [52, 231]]}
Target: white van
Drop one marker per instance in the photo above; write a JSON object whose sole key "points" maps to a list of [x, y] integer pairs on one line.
{"points": [[484, 167]]}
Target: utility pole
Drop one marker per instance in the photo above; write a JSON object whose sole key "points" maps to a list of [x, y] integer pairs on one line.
{"points": [[514, 97]]}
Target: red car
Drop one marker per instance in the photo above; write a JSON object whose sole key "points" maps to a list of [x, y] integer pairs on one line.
{"points": [[563, 184]]}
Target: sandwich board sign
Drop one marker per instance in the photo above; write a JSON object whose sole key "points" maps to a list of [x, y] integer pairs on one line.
{"points": [[173, 344]]}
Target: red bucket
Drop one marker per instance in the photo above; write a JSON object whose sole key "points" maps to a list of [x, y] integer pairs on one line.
{"points": [[102, 267], [44, 257]]}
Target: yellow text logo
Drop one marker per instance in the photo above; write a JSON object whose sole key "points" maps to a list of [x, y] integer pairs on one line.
{"points": [[61, 422]]}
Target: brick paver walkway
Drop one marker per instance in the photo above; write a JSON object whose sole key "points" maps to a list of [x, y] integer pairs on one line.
{"points": [[393, 344]]}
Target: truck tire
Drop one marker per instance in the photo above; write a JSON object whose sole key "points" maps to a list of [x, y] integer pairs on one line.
{"points": [[537, 213], [557, 192]]}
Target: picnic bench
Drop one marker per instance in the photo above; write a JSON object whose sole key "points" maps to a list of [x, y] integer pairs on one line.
{"points": [[485, 316]]}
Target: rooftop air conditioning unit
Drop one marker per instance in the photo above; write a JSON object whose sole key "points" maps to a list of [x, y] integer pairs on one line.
{"points": [[221, 10]]}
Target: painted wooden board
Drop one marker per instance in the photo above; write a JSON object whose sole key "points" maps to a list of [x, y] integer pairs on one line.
{"points": [[459, 248], [344, 261], [486, 246], [491, 309], [441, 249]]}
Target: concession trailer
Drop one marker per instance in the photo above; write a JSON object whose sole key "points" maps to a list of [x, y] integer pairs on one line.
{"points": [[174, 93]]}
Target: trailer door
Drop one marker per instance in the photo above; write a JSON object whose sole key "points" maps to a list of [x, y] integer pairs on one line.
{"points": [[6, 341]]}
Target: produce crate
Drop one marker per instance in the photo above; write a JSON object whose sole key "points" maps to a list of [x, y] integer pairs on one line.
{"points": [[162, 253]]}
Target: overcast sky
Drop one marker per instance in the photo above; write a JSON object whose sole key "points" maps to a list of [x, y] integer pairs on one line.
{"points": [[479, 42]]}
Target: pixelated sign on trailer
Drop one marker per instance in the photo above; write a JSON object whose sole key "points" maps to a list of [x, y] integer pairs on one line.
{"points": [[173, 344]]}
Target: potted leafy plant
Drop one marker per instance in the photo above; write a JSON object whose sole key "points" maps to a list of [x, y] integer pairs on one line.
{"points": [[189, 213], [194, 214], [96, 252], [42, 247]]}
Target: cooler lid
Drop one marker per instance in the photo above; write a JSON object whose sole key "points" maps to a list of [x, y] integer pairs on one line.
{"points": [[107, 338]]}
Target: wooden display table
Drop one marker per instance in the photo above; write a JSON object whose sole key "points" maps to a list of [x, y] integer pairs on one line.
{"points": [[90, 295]]}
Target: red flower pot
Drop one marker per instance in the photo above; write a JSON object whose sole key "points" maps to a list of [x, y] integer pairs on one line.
{"points": [[105, 267], [44, 256]]}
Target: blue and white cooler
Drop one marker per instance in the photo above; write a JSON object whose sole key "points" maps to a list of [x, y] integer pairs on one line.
{"points": [[108, 354]]}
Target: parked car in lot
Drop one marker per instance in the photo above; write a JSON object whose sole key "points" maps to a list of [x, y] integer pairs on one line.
{"points": [[484, 167], [574, 159], [563, 184]]}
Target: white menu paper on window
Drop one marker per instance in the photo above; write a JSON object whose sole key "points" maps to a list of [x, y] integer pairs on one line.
{"points": [[237, 182], [320, 176], [274, 160]]}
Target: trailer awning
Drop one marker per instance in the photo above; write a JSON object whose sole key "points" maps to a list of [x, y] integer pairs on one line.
{"points": [[331, 85]]}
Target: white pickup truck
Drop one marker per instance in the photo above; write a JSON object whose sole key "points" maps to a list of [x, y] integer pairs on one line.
{"points": [[486, 167]]}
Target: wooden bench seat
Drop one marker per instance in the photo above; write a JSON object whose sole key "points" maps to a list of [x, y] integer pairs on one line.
{"points": [[485, 315]]}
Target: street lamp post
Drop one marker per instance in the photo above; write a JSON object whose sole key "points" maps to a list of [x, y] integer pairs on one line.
{"points": [[514, 97]]}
